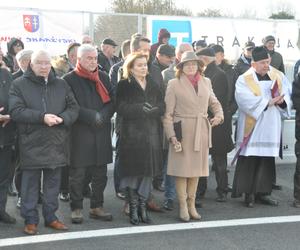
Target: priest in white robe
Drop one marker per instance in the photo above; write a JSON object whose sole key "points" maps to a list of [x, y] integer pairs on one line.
{"points": [[263, 97]]}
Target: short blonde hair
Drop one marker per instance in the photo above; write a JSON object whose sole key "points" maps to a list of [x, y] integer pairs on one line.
{"points": [[129, 62]]}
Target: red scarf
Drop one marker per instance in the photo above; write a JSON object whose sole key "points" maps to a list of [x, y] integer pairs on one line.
{"points": [[194, 80], [94, 77]]}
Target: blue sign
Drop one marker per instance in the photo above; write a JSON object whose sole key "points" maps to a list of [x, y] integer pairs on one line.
{"points": [[181, 31]]}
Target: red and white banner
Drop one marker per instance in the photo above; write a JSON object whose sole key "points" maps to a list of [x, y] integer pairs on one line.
{"points": [[52, 31]]}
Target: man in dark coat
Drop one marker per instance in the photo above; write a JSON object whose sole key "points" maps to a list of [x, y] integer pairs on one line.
{"points": [[244, 62], [44, 108], [106, 57], [13, 47], [7, 139], [276, 58], [221, 135], [91, 148]]}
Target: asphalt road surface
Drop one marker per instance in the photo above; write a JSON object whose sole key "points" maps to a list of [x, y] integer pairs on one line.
{"points": [[227, 225]]}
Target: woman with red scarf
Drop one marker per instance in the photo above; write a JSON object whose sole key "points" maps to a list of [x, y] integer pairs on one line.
{"points": [[188, 98]]}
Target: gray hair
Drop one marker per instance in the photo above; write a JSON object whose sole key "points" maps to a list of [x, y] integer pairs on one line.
{"points": [[39, 53], [85, 48], [182, 47], [23, 54]]}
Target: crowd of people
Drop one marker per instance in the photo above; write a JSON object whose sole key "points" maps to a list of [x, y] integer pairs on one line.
{"points": [[174, 108]]}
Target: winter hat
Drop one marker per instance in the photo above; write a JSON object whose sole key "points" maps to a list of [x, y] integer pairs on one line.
{"points": [[268, 39], [259, 53], [166, 49], [206, 52], [186, 57]]}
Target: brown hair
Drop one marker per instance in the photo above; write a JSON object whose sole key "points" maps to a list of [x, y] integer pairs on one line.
{"points": [[179, 70], [129, 62]]}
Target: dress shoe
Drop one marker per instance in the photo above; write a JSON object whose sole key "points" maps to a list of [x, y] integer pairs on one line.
{"points": [[64, 197], [169, 205], [120, 195], [221, 198], [6, 218], [98, 213], [276, 187], [249, 200], [296, 203], [267, 200], [152, 206], [19, 202], [57, 225], [76, 216], [30, 229]]}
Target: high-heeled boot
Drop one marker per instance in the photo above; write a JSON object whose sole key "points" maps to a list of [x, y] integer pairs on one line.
{"points": [[133, 206], [192, 184], [181, 189], [142, 210]]}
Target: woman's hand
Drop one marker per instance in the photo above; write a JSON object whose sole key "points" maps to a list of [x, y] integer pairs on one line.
{"points": [[173, 140], [215, 121]]}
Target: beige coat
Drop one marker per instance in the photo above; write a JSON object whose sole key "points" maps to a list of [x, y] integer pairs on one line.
{"points": [[183, 103]]}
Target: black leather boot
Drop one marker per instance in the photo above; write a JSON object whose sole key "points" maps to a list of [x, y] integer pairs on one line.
{"points": [[142, 211], [133, 206]]}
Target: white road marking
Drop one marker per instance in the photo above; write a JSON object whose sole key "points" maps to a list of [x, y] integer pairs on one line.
{"points": [[145, 229]]}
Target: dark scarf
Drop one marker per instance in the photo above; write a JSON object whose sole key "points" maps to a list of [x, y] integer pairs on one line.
{"points": [[194, 80], [94, 77]]}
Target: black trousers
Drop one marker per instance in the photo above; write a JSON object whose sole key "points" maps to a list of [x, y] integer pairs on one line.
{"points": [[253, 175], [99, 180], [219, 162], [117, 178], [30, 194], [297, 179], [64, 183], [5, 170]]}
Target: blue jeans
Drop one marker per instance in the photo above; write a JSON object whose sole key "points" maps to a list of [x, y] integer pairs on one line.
{"points": [[170, 188]]}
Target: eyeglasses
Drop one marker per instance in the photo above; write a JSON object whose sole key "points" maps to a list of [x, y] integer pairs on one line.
{"points": [[250, 48]]}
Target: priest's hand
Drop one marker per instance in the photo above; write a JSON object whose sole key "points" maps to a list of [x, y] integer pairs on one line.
{"points": [[276, 100]]}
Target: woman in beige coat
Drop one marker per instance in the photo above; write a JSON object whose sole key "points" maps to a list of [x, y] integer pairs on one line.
{"points": [[188, 98]]}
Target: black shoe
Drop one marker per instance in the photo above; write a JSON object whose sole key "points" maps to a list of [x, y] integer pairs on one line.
{"points": [[6, 218], [169, 205], [142, 211], [133, 206], [296, 203], [276, 187], [11, 191], [64, 197], [267, 200], [249, 200], [221, 198], [19, 202]]}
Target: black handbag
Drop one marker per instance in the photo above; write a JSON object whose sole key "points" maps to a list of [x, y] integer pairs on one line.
{"points": [[178, 130]]}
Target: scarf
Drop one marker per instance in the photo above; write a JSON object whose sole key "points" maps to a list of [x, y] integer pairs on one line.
{"points": [[94, 77], [194, 80]]}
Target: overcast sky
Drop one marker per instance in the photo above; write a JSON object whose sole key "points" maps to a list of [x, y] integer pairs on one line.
{"points": [[258, 8]]}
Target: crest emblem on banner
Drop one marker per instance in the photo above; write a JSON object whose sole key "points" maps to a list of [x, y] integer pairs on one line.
{"points": [[31, 22]]}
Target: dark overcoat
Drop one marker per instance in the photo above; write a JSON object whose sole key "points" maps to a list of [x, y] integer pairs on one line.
{"points": [[90, 145], [141, 135], [221, 134], [30, 98]]}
